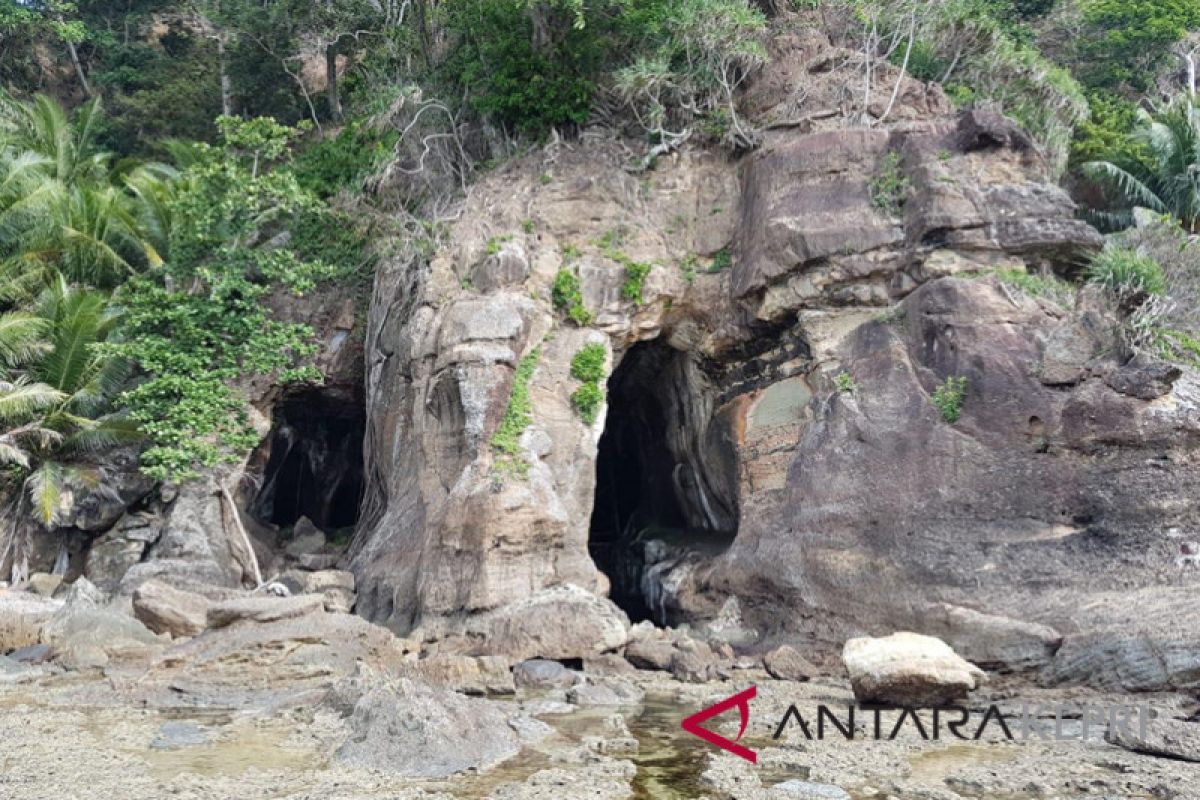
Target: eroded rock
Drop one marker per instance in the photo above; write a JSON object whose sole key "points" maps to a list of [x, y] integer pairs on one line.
{"points": [[907, 669]]}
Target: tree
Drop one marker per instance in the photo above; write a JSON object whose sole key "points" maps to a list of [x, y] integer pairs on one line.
{"points": [[1161, 172], [54, 20]]}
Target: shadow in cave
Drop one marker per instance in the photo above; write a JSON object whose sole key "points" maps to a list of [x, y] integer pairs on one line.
{"points": [[315, 466], [665, 480]]}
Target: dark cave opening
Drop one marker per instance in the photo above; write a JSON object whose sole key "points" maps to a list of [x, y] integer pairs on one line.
{"points": [[315, 464], [665, 479]]}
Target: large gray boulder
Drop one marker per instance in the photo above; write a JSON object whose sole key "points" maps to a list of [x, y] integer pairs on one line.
{"points": [[907, 669], [556, 623], [410, 730], [1168, 738]]}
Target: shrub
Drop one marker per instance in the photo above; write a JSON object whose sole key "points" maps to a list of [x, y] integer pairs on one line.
{"points": [[844, 382], [948, 398], [890, 187], [1127, 274], [588, 366], [342, 161], [517, 416], [635, 279], [567, 296]]}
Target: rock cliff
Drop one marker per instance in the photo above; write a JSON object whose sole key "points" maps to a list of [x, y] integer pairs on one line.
{"points": [[769, 457]]}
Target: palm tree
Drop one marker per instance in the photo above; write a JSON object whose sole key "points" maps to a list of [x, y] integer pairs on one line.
{"points": [[55, 401], [1162, 172]]}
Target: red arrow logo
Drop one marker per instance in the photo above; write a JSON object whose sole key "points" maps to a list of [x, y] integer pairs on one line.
{"points": [[742, 701]]}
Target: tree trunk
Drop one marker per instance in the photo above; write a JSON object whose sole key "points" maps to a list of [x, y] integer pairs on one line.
{"points": [[331, 85], [226, 89], [83, 81]]}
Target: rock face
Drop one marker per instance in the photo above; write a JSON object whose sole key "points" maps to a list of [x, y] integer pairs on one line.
{"points": [[907, 669], [772, 396]]}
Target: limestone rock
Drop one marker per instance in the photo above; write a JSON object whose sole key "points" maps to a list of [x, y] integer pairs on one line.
{"points": [[605, 692], [540, 673], [306, 538], [472, 675], [556, 623], [1168, 738], [412, 731], [786, 664], [805, 790], [84, 635], [22, 615], [165, 609], [650, 653], [262, 609], [907, 669], [43, 584], [992, 641]]}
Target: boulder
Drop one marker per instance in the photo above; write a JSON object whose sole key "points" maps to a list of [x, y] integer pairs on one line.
{"points": [[262, 609], [540, 673], [647, 653], [786, 664], [908, 669], [694, 661], [557, 623], [990, 640], [473, 675], [43, 584], [165, 609], [1168, 738], [409, 730], [307, 538], [84, 634], [335, 586], [605, 692], [796, 789], [22, 615]]}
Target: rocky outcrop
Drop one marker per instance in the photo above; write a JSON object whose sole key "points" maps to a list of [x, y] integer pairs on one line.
{"points": [[906, 669], [165, 609], [771, 385], [1168, 738]]}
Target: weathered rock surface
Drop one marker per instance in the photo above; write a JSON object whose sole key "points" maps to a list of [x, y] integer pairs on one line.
{"points": [[165, 609], [786, 664], [540, 673], [605, 692], [560, 622], [472, 675], [262, 609], [411, 730], [85, 634], [22, 615], [907, 669], [1169, 738]]}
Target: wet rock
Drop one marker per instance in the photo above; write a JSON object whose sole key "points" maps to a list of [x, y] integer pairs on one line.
{"points": [[410, 730], [908, 669], [786, 664], [805, 790], [32, 654], [165, 609], [1168, 738], [605, 692], [556, 623], [175, 735], [473, 675], [262, 609], [540, 673]]}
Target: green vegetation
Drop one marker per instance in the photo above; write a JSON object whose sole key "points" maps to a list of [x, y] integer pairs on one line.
{"points": [[890, 187], [1127, 273], [948, 398], [1034, 285], [567, 296], [587, 366], [844, 382], [635, 280], [517, 417]]}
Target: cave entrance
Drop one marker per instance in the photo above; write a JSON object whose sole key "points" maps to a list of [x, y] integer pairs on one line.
{"points": [[315, 464], [666, 488]]}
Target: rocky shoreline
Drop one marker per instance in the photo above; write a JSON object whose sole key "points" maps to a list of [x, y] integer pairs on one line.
{"points": [[280, 698]]}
